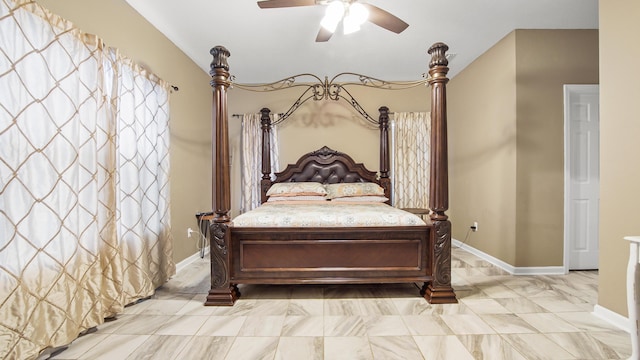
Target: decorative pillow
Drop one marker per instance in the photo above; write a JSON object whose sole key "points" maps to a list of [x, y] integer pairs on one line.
{"points": [[297, 189], [297, 198], [353, 189], [370, 198]]}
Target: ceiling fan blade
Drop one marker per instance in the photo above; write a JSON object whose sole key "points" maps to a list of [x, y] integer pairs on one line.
{"points": [[385, 19], [323, 35], [268, 4]]}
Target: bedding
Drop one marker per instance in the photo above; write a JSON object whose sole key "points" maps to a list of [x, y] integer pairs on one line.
{"points": [[326, 214]]}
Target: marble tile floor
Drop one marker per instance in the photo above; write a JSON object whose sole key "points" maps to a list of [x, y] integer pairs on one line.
{"points": [[499, 316]]}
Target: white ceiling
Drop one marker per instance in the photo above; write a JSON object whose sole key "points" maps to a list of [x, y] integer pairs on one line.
{"points": [[270, 44]]}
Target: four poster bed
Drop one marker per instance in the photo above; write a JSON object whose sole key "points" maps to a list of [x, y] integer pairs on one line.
{"points": [[401, 248]]}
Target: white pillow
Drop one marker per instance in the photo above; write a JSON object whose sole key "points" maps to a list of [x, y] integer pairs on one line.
{"points": [[297, 198], [369, 198], [340, 190], [296, 189]]}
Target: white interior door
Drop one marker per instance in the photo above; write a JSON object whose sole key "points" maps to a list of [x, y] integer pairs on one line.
{"points": [[582, 176]]}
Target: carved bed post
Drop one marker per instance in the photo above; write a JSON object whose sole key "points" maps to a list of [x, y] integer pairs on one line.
{"points": [[222, 291], [385, 181], [439, 290], [265, 183]]}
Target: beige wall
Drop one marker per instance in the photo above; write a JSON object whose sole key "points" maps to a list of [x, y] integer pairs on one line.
{"points": [[506, 140], [545, 61], [482, 144], [619, 146], [122, 27]]}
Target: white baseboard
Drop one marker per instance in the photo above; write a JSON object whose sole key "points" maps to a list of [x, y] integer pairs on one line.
{"points": [[612, 317], [513, 270], [191, 259]]}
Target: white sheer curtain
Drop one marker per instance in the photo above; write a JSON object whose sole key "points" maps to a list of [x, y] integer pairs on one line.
{"points": [[84, 206], [411, 133], [251, 159], [142, 180]]}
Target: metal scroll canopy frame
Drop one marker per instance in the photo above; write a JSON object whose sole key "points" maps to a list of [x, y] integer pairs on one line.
{"points": [[318, 89]]}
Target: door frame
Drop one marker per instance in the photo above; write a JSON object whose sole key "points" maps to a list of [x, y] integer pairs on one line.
{"points": [[567, 89]]}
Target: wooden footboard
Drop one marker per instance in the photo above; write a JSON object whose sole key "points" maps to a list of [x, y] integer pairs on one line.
{"points": [[317, 256], [407, 254], [330, 255]]}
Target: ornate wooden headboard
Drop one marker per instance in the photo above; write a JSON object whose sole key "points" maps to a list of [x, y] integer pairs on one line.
{"points": [[326, 165]]}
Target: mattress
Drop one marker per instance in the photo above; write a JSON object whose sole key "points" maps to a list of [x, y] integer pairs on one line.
{"points": [[326, 214]]}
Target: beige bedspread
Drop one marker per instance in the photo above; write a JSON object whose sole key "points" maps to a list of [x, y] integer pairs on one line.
{"points": [[325, 214]]}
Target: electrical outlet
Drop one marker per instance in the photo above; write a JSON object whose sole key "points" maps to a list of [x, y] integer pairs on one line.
{"points": [[189, 232], [474, 227]]}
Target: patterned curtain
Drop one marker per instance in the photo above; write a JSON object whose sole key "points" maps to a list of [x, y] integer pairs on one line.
{"points": [[142, 180], [84, 196], [251, 159], [411, 133]]}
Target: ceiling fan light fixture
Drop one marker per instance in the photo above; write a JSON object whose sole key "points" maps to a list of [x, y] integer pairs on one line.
{"points": [[352, 14], [329, 24], [349, 25], [356, 15], [333, 15]]}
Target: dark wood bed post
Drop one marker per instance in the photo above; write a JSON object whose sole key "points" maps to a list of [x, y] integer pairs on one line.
{"points": [[385, 181], [222, 291], [439, 290], [265, 183]]}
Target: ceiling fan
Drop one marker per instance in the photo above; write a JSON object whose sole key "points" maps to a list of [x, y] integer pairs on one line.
{"points": [[351, 13]]}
